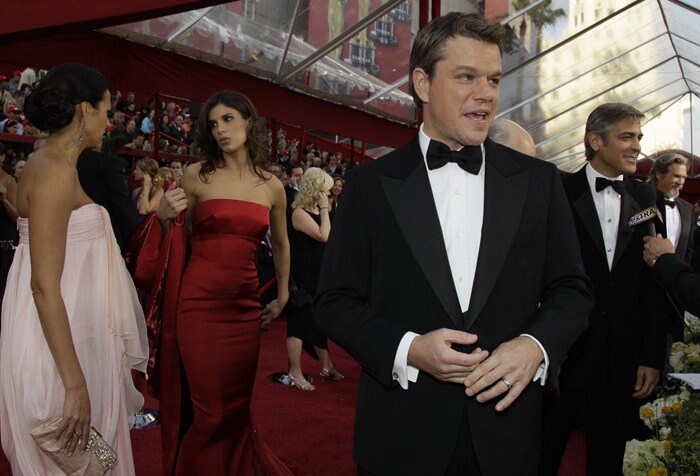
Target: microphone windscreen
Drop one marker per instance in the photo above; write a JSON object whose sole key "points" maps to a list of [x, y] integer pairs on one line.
{"points": [[646, 195]]}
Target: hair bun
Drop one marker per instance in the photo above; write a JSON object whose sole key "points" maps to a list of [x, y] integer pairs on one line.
{"points": [[49, 108]]}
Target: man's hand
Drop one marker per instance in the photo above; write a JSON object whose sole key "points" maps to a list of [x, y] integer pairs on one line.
{"points": [[171, 204], [647, 379], [508, 370], [655, 247], [432, 353]]}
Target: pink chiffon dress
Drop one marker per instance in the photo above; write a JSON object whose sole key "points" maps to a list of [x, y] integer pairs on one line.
{"points": [[109, 336]]}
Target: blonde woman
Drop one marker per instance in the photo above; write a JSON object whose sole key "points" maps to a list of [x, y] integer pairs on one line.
{"points": [[148, 195], [308, 233]]}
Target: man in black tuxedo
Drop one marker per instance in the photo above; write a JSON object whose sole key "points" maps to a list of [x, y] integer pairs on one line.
{"points": [[433, 248], [668, 174], [616, 362], [104, 181], [292, 188]]}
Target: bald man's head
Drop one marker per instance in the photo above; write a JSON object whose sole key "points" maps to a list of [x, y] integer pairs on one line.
{"points": [[510, 134]]}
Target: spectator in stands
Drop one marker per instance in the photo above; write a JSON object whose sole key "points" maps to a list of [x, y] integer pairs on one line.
{"points": [[130, 129], [333, 165], [14, 150], [167, 176], [178, 167], [5, 94], [24, 91], [30, 129], [123, 105], [148, 195], [8, 198], [28, 76], [176, 129], [334, 198], [13, 85], [309, 228], [292, 188], [147, 125], [137, 142], [13, 114], [18, 167], [165, 125]]}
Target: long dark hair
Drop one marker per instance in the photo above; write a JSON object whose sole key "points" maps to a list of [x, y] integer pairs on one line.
{"points": [[212, 157]]}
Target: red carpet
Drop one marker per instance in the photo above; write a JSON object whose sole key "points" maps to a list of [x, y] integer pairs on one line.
{"points": [[313, 429]]}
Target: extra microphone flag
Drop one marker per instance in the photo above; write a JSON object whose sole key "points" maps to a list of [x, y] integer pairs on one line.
{"points": [[644, 216]]}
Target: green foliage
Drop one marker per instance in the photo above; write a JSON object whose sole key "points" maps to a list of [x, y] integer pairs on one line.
{"points": [[684, 457]]}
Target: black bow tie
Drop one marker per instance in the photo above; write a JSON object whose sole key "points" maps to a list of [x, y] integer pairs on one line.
{"points": [[468, 158], [670, 203], [603, 183]]}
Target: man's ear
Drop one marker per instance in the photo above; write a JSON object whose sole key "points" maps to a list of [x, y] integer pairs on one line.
{"points": [[595, 140], [421, 84]]}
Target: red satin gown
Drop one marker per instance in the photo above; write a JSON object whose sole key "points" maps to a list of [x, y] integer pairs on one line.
{"points": [[218, 334]]}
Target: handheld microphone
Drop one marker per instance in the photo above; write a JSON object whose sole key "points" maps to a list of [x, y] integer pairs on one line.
{"points": [[646, 197]]}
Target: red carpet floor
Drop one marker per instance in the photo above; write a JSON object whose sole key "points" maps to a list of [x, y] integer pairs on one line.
{"points": [[313, 429]]}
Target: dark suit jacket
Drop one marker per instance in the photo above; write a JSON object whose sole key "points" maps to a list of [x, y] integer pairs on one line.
{"points": [[104, 181], [291, 194], [681, 282], [385, 272], [626, 327], [685, 241]]}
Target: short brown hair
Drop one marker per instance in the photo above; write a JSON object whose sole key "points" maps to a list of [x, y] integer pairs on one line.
{"points": [[428, 47], [601, 120]]}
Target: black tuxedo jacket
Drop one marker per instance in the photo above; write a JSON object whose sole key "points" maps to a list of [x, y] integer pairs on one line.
{"points": [[104, 181], [291, 194], [626, 326], [385, 272], [685, 241]]}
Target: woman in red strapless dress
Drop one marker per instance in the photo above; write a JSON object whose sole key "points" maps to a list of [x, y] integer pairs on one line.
{"points": [[230, 205]]}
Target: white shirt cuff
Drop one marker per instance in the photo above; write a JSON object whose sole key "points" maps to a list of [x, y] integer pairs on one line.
{"points": [[402, 372], [541, 373]]}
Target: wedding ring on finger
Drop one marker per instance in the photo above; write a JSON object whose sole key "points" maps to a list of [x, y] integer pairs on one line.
{"points": [[78, 433], [506, 383]]}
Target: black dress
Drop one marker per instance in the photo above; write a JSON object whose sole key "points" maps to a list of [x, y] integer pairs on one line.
{"points": [[306, 256]]}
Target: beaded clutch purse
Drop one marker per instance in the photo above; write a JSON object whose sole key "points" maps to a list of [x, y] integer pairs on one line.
{"points": [[96, 461]]}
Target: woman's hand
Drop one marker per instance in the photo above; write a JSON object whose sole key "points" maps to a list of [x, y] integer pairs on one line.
{"points": [[3, 194], [147, 182], [322, 199], [172, 203], [272, 310], [75, 421]]}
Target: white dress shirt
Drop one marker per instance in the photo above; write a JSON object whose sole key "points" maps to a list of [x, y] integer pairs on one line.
{"points": [[608, 204], [459, 200], [673, 223]]}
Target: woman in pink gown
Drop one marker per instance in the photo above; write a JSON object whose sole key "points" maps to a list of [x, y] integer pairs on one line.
{"points": [[72, 327], [230, 204]]}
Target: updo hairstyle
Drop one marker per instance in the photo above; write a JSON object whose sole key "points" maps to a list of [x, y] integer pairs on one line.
{"points": [[51, 106]]}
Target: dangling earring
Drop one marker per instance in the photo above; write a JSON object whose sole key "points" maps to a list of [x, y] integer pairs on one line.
{"points": [[82, 135]]}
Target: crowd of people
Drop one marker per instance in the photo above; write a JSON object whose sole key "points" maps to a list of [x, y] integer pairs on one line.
{"points": [[488, 300]]}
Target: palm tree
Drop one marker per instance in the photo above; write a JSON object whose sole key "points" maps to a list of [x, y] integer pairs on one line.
{"points": [[540, 16]]}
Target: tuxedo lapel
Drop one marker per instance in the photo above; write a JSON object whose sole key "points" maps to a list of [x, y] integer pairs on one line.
{"points": [[586, 211], [628, 208], [411, 200], [505, 193]]}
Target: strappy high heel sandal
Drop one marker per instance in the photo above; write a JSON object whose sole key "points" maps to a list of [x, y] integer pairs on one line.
{"points": [[331, 374], [300, 383]]}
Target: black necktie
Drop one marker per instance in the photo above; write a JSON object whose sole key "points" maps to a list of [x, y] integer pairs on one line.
{"points": [[670, 203], [603, 183], [468, 157]]}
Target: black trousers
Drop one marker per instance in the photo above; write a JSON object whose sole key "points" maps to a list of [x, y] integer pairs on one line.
{"points": [[463, 461]]}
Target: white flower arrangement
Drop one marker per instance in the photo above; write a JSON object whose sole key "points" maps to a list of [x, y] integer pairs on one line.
{"points": [[643, 457], [691, 332], [685, 358], [654, 414]]}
